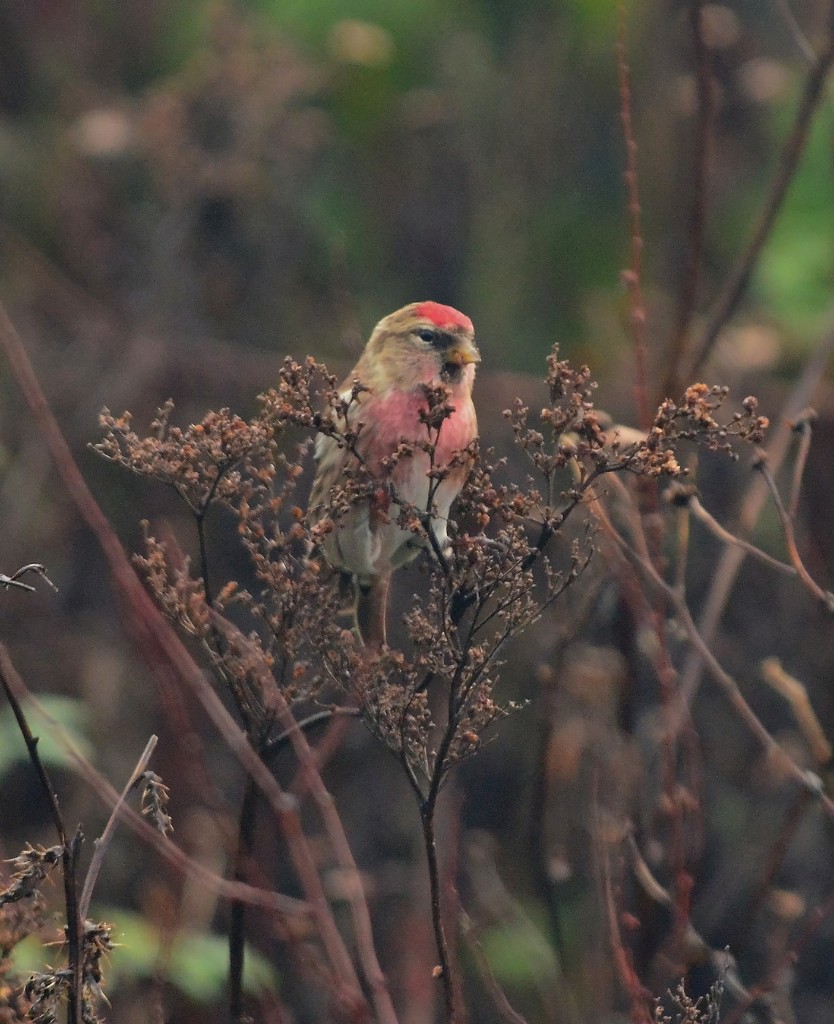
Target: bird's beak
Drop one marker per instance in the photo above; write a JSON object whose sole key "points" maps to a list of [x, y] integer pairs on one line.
{"points": [[462, 353]]}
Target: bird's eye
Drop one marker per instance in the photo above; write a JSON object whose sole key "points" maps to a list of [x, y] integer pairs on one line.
{"points": [[427, 334]]}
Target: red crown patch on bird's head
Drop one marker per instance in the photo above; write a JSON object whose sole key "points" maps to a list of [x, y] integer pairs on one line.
{"points": [[443, 316]]}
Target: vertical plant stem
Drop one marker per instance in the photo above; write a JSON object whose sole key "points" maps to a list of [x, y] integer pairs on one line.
{"points": [[237, 923], [427, 814], [702, 154], [632, 278]]}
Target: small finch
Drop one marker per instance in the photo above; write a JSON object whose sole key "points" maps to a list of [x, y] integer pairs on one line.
{"points": [[422, 344]]}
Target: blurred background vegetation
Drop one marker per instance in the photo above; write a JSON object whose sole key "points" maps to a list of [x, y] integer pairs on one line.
{"points": [[190, 190]]}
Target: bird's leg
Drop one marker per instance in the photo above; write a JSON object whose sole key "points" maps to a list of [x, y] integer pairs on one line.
{"points": [[371, 606]]}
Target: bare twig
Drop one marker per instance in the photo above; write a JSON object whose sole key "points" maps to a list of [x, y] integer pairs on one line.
{"points": [[825, 597], [796, 694], [32, 567], [736, 284], [100, 845], [723, 534], [802, 426]]}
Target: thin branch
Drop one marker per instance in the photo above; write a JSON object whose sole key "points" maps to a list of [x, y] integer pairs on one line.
{"points": [[825, 597], [637, 995], [32, 567], [813, 923], [724, 535], [787, 833], [802, 426], [796, 694], [100, 845], [278, 742], [702, 155], [739, 277]]}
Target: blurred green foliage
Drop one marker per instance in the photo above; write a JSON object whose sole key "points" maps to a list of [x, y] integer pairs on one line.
{"points": [[194, 964], [71, 715]]}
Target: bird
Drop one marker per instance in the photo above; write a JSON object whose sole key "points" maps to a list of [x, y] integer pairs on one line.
{"points": [[423, 345]]}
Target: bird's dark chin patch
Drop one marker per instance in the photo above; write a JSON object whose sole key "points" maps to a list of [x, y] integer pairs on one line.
{"points": [[451, 373]]}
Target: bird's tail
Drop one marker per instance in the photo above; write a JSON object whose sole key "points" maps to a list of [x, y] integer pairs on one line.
{"points": [[371, 607]]}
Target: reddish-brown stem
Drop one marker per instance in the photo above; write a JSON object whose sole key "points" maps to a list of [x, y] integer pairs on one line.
{"points": [[702, 156], [632, 278], [638, 997]]}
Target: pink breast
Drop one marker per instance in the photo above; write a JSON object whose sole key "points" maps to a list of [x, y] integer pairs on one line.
{"points": [[397, 415]]}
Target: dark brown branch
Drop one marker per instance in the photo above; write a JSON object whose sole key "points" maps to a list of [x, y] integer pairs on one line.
{"points": [[727, 302], [12, 685], [237, 922], [444, 968]]}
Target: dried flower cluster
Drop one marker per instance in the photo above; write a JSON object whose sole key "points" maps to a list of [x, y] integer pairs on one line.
{"points": [[155, 802], [500, 571], [30, 869], [46, 991]]}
